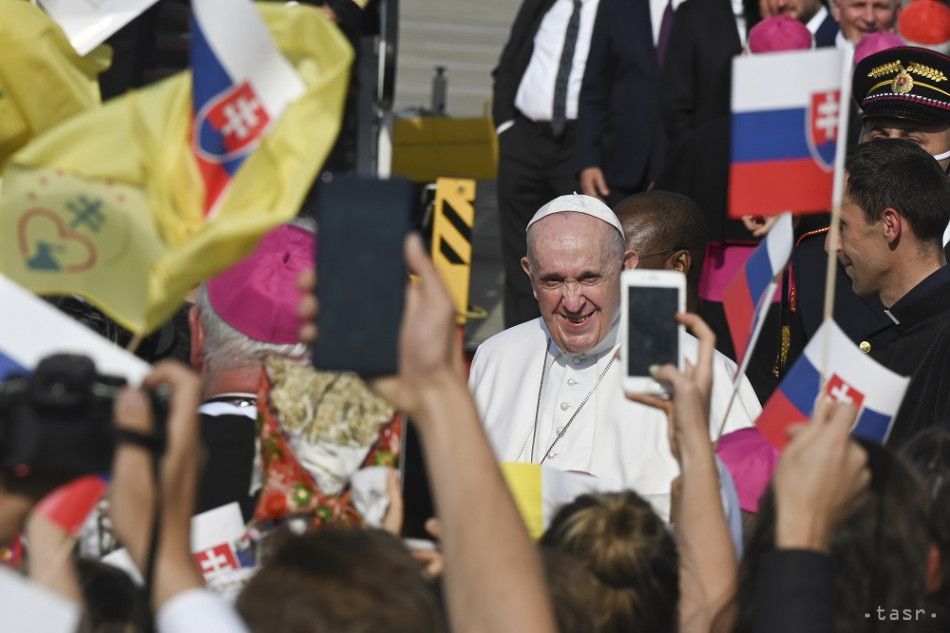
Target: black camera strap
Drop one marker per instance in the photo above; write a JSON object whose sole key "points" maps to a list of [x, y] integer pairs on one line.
{"points": [[154, 443]]}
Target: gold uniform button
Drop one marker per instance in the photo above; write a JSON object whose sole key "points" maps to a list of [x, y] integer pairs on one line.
{"points": [[864, 346]]}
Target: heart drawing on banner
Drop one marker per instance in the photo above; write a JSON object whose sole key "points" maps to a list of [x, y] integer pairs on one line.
{"points": [[44, 249]]}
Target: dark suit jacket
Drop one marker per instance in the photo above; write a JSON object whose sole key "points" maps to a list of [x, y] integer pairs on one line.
{"points": [[827, 32], [696, 94], [618, 123], [698, 70], [515, 57]]}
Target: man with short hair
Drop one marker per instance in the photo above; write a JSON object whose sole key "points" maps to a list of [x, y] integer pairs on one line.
{"points": [[896, 205], [897, 100], [549, 390], [857, 18], [813, 14], [240, 317], [667, 232]]}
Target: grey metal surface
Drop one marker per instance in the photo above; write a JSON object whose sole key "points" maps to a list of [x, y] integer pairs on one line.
{"points": [[465, 36]]}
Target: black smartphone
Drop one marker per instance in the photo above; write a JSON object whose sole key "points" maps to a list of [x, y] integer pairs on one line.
{"points": [[362, 224]]}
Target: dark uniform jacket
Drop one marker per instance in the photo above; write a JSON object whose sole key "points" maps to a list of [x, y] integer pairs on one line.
{"points": [[917, 344]]}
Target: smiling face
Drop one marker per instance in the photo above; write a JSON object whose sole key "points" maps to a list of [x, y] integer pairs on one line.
{"points": [[802, 10], [857, 18], [862, 249], [574, 263]]}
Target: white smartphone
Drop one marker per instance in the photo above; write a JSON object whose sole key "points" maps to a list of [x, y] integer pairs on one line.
{"points": [[649, 332]]}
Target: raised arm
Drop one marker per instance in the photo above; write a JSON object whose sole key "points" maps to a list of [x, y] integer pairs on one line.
{"points": [[707, 557], [493, 579]]}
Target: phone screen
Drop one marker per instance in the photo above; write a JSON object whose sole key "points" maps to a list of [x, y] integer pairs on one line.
{"points": [[653, 332]]}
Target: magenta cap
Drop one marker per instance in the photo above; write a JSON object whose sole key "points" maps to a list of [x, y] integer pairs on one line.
{"points": [[779, 33], [258, 296], [875, 43], [751, 459]]}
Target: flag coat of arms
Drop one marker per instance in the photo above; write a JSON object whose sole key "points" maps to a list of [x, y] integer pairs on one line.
{"points": [[785, 113], [852, 377], [240, 86], [744, 299], [112, 204]]}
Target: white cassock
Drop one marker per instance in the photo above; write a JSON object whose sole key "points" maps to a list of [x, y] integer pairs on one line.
{"points": [[610, 437]]}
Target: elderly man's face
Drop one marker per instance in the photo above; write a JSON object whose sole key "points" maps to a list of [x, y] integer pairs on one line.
{"points": [[575, 275], [857, 18], [802, 10], [933, 139]]}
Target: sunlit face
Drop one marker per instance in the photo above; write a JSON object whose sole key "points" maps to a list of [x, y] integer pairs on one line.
{"points": [[857, 18], [862, 249], [575, 278], [932, 138], [802, 10]]}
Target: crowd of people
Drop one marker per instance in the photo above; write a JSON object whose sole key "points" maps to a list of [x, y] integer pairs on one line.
{"points": [[680, 516]]}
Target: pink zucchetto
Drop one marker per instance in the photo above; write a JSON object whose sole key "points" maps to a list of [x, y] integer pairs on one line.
{"points": [[875, 43], [258, 296], [779, 33]]}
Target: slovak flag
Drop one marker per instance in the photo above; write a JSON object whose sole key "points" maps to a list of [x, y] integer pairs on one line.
{"points": [[241, 84], [785, 117], [744, 299], [852, 377]]}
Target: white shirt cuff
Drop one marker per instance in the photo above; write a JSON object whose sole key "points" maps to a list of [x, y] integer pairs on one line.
{"points": [[198, 610], [504, 126]]}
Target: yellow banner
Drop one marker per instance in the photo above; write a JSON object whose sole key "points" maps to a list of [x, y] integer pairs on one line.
{"points": [[109, 205], [42, 79]]}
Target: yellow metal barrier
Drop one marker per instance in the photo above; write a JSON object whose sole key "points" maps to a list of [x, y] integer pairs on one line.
{"points": [[427, 148], [452, 238]]}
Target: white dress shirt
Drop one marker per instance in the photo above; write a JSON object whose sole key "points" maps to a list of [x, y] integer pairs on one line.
{"points": [[739, 12], [816, 20], [535, 96], [611, 437], [657, 7], [842, 42]]}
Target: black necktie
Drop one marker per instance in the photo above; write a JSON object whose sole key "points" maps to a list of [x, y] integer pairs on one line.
{"points": [[666, 29], [559, 112]]}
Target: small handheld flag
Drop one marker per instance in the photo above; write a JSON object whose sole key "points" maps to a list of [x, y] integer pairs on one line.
{"points": [[747, 296], [240, 85], [852, 377], [786, 109]]}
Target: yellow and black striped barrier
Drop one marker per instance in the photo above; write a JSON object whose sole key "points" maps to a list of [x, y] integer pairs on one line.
{"points": [[452, 225]]}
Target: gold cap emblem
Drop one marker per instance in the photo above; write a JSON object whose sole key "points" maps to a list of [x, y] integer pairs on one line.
{"points": [[903, 83], [864, 346]]}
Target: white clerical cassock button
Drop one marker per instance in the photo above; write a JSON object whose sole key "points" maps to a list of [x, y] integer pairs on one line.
{"points": [[565, 406], [571, 382]]}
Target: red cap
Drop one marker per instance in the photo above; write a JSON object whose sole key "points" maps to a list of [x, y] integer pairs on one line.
{"points": [[925, 22]]}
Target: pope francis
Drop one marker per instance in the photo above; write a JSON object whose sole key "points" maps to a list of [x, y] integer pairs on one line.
{"points": [[549, 390]]}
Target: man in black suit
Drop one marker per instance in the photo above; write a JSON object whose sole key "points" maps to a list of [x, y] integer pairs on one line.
{"points": [[536, 88], [813, 14], [619, 133]]}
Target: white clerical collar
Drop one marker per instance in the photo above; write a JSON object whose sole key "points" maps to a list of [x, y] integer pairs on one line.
{"points": [[606, 345], [842, 42], [815, 22]]}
